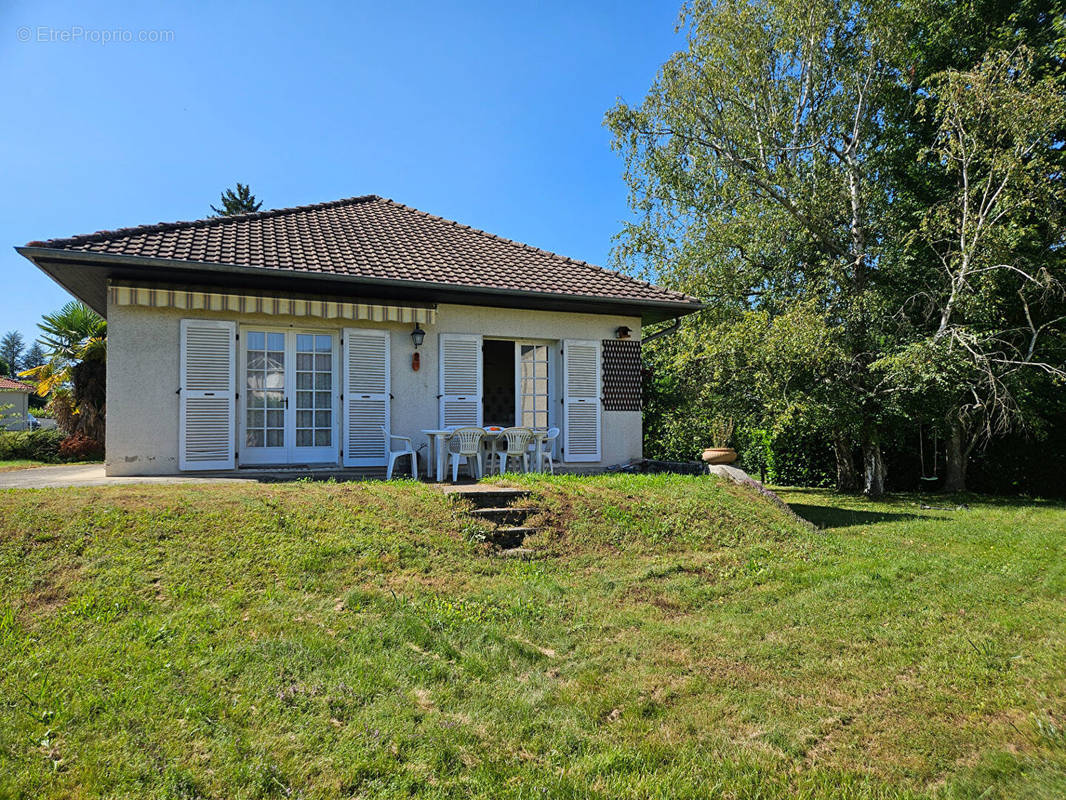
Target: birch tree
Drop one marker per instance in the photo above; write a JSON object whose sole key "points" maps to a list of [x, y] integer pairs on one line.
{"points": [[995, 309], [753, 168]]}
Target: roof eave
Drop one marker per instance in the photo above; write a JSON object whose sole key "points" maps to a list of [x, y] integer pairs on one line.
{"points": [[649, 310]]}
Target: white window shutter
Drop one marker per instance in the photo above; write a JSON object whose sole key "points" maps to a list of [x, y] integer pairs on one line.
{"points": [[208, 391], [581, 400], [460, 379], [366, 396]]}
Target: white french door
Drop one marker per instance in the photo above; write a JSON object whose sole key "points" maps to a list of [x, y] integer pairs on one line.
{"points": [[288, 397], [533, 385]]}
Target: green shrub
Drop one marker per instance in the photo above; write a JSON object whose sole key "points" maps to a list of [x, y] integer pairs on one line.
{"points": [[39, 445]]}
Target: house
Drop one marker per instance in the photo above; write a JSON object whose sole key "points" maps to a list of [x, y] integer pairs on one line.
{"points": [[14, 404], [288, 337]]}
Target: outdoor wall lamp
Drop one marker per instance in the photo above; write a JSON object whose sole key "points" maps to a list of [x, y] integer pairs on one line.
{"points": [[417, 335], [622, 332]]}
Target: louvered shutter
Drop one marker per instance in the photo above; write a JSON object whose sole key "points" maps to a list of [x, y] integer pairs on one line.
{"points": [[366, 396], [460, 379], [208, 390], [581, 400]]}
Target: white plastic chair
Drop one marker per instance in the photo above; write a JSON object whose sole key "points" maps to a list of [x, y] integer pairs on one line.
{"points": [[408, 450], [516, 446], [463, 445], [546, 449]]}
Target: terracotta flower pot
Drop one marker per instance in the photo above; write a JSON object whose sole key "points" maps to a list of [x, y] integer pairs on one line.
{"points": [[719, 455]]}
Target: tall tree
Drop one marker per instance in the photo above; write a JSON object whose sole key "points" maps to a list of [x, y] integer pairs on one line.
{"points": [[951, 38], [11, 348], [993, 308], [34, 356], [754, 166], [239, 201]]}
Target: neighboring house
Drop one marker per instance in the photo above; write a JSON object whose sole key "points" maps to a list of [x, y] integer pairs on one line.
{"points": [[289, 336], [14, 404]]}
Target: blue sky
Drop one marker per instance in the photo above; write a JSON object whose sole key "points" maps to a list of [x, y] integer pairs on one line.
{"points": [[488, 113]]}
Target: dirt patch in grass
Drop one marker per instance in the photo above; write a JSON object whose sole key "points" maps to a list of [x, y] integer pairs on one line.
{"points": [[48, 594], [669, 606]]}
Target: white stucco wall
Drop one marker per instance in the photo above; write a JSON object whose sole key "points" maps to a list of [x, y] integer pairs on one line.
{"points": [[142, 375], [13, 408]]}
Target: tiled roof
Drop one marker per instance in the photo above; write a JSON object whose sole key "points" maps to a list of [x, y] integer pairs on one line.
{"points": [[370, 237], [11, 385]]}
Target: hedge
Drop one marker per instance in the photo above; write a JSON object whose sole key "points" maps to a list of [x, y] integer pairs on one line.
{"points": [[39, 445]]}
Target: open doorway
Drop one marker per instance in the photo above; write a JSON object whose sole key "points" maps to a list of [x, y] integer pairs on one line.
{"points": [[516, 383], [498, 398]]}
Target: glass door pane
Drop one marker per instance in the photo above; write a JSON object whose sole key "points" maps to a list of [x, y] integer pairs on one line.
{"points": [[264, 384], [314, 390], [534, 397]]}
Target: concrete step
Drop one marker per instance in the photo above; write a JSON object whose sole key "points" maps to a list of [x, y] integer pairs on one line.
{"points": [[496, 498], [509, 537], [503, 516]]}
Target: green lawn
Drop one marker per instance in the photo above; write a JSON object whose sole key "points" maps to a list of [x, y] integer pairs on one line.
{"points": [[7, 464], [674, 637]]}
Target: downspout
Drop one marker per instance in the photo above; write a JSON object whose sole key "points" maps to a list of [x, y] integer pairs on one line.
{"points": [[664, 332]]}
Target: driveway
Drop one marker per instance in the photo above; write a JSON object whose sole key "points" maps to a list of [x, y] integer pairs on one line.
{"points": [[65, 475]]}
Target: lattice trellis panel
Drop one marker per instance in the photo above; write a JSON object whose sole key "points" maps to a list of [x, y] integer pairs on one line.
{"points": [[621, 375]]}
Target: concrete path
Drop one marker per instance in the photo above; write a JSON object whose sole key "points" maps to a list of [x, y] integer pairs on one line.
{"points": [[70, 475], [64, 475]]}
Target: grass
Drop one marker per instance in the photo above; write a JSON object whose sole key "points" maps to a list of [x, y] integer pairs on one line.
{"points": [[8, 464], [675, 637]]}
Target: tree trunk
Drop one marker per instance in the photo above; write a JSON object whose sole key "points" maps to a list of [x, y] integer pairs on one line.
{"points": [[63, 410], [873, 468], [90, 395], [847, 475], [958, 456]]}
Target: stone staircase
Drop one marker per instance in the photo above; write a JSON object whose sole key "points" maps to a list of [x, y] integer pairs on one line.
{"points": [[493, 505]]}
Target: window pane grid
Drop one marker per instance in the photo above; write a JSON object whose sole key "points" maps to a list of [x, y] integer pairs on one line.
{"points": [[314, 395], [265, 382], [533, 386]]}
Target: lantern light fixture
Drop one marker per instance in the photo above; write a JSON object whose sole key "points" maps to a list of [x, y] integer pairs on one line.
{"points": [[418, 335]]}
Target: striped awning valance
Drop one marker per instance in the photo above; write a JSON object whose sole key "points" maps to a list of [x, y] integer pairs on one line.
{"points": [[242, 303]]}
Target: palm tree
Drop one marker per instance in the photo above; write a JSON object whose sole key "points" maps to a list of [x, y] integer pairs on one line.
{"points": [[74, 371]]}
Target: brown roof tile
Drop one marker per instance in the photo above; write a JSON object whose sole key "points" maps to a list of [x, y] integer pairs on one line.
{"points": [[370, 237], [10, 384]]}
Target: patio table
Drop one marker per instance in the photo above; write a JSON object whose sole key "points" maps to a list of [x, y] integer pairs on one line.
{"points": [[438, 440]]}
